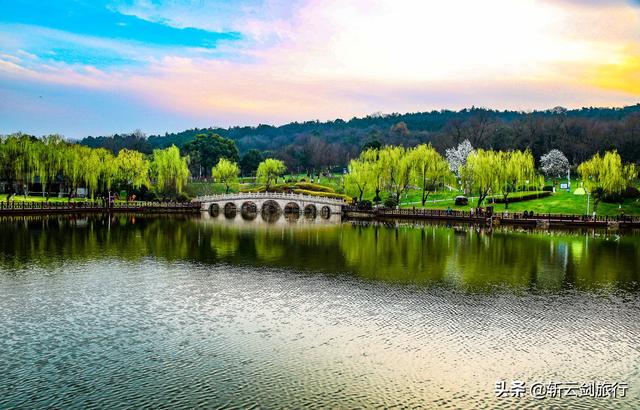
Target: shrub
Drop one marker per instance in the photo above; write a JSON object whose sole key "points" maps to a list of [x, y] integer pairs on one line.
{"points": [[323, 194], [524, 197], [390, 202], [307, 186], [548, 188], [150, 196], [365, 205], [183, 197], [618, 198], [632, 192]]}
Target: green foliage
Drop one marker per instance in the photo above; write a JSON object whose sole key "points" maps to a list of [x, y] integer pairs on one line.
{"points": [[583, 133], [606, 174], [170, 170], [397, 169], [525, 196], [390, 202], [226, 172], [291, 187], [206, 150], [334, 195], [269, 170], [132, 168], [250, 161], [479, 173], [359, 179], [428, 169], [308, 186], [513, 169]]}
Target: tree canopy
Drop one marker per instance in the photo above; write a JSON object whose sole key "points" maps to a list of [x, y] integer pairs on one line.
{"points": [[269, 170], [226, 172], [205, 150], [606, 175], [170, 170]]}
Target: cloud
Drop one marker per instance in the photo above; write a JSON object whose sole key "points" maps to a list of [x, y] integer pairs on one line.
{"points": [[328, 58], [98, 21]]}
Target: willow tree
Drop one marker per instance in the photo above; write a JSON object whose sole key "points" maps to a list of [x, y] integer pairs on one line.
{"points": [[73, 166], [376, 174], [479, 173], [512, 170], [170, 170], [269, 170], [20, 159], [52, 158], [397, 166], [358, 179], [428, 169], [226, 172], [132, 168], [606, 175]]}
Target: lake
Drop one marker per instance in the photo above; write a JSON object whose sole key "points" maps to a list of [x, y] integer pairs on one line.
{"points": [[181, 312]]}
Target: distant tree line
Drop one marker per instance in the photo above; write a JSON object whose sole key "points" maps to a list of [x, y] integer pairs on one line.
{"points": [[315, 145]]}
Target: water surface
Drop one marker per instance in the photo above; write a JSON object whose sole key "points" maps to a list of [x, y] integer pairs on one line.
{"points": [[180, 312]]}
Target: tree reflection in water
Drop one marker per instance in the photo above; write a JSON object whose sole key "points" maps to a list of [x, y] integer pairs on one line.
{"points": [[463, 257]]}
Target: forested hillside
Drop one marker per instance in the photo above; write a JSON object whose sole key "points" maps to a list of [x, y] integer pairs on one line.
{"points": [[578, 133]]}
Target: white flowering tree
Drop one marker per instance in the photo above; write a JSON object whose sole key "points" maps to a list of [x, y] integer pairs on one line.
{"points": [[554, 164], [457, 157]]}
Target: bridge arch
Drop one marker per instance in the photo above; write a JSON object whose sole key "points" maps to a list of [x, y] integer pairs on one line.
{"points": [[292, 208], [271, 207], [310, 211], [325, 212], [214, 209], [230, 210]]}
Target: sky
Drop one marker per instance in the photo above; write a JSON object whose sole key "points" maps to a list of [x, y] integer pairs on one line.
{"points": [[81, 67]]}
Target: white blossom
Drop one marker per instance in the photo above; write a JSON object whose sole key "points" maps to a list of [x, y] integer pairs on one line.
{"points": [[457, 157], [554, 164]]}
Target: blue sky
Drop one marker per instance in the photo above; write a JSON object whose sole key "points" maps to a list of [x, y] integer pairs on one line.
{"points": [[81, 67]]}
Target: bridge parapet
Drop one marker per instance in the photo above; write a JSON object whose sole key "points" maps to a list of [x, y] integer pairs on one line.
{"points": [[269, 195]]}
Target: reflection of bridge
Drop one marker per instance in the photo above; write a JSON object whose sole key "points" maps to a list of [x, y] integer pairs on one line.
{"points": [[271, 202]]}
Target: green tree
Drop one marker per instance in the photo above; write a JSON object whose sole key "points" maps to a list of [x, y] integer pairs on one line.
{"points": [[170, 170], [428, 169], [606, 175], [269, 170], [250, 161], [226, 172], [73, 166], [397, 166], [205, 150], [512, 170], [51, 160], [358, 181], [479, 173], [371, 158], [20, 156], [132, 168]]}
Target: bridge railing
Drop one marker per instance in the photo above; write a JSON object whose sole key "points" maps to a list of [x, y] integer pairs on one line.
{"points": [[85, 205], [268, 195]]}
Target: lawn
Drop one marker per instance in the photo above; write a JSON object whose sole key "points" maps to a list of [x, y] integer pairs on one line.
{"points": [[561, 202]]}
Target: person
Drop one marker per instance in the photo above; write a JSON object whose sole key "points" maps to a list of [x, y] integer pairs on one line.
{"points": [[449, 210], [471, 212]]}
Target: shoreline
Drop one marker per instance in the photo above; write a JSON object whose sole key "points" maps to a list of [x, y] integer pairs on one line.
{"points": [[571, 221]]}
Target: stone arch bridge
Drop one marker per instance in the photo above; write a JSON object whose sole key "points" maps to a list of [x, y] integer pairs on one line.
{"points": [[270, 202]]}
